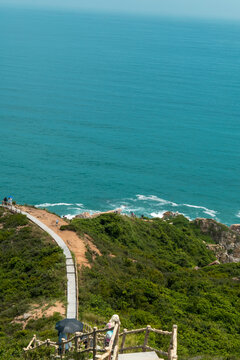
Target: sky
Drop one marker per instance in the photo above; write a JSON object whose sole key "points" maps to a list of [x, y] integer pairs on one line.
{"points": [[229, 9]]}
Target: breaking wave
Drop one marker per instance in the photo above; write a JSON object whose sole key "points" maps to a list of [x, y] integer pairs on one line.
{"points": [[154, 206], [238, 214], [50, 205], [69, 216], [155, 198], [206, 211], [158, 214], [148, 205]]}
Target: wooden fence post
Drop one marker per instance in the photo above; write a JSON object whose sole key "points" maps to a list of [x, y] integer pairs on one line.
{"points": [[94, 342], [174, 342], [34, 340], [116, 341], [56, 351], [146, 337], [123, 340], [63, 346], [88, 342], [77, 340], [173, 347], [117, 334]]}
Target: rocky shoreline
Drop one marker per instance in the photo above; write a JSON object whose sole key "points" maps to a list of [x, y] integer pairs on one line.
{"points": [[225, 239]]}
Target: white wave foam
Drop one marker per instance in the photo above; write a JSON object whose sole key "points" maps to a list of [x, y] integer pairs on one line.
{"points": [[157, 199], [135, 210], [195, 206], [122, 207], [127, 208], [75, 208], [158, 214], [238, 214], [212, 213], [207, 211], [69, 216], [49, 204]]}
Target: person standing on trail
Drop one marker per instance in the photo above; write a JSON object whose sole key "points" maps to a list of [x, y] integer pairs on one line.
{"points": [[61, 336], [57, 222]]}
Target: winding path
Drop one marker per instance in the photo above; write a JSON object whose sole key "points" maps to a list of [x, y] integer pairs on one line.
{"points": [[70, 267]]}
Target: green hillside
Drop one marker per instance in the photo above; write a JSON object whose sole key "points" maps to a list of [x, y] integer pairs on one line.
{"points": [[147, 274], [32, 271], [150, 272]]}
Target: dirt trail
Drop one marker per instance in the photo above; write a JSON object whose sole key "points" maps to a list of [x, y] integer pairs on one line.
{"points": [[75, 243]]}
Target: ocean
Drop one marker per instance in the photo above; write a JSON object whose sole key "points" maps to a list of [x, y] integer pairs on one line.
{"points": [[104, 111]]}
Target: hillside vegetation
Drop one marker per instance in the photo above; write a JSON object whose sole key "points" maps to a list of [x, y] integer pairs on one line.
{"points": [[32, 271], [155, 272]]}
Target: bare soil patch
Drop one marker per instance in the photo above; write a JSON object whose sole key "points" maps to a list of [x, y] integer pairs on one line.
{"points": [[93, 248], [76, 244], [38, 311]]}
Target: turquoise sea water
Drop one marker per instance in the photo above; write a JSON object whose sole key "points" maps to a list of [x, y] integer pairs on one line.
{"points": [[102, 111]]}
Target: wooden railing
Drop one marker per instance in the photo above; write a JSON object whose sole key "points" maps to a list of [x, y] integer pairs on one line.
{"points": [[93, 342], [172, 350], [83, 342], [36, 344]]}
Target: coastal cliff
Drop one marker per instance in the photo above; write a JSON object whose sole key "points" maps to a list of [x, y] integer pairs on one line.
{"points": [[225, 240]]}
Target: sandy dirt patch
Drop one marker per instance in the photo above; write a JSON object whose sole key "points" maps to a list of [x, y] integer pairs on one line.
{"points": [[75, 243], [38, 311], [88, 240]]}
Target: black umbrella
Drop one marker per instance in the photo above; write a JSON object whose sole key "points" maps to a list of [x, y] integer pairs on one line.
{"points": [[69, 326]]}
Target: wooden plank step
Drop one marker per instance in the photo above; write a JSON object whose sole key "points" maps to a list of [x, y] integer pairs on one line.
{"points": [[148, 355]]}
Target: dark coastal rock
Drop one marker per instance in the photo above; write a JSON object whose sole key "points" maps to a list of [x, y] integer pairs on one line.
{"points": [[168, 215], [235, 227], [84, 215], [87, 215], [226, 240]]}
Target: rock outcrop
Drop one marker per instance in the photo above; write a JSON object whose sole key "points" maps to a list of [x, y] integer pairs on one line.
{"points": [[235, 227], [84, 215], [226, 240], [87, 215], [169, 215]]}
